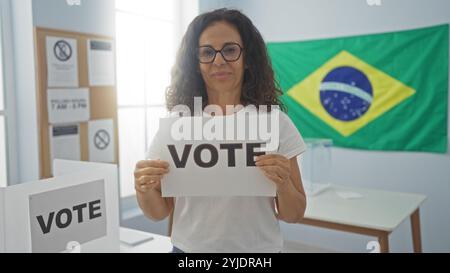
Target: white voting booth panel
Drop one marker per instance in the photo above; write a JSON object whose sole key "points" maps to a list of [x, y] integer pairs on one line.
{"points": [[78, 207]]}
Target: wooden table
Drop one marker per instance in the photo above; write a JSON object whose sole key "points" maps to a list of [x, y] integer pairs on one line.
{"points": [[377, 213]]}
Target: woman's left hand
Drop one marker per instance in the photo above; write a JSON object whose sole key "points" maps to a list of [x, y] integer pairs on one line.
{"points": [[275, 167]]}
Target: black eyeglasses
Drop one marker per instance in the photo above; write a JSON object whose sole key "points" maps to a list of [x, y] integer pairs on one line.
{"points": [[230, 52]]}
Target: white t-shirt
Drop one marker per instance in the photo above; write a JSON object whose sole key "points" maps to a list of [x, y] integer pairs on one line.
{"points": [[231, 224]]}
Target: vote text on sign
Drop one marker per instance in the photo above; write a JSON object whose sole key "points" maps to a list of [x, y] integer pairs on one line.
{"points": [[211, 167]]}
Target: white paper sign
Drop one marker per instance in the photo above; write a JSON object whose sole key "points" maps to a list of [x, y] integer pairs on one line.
{"points": [[101, 63], [62, 62], [101, 141], [76, 213], [65, 142], [68, 105], [211, 167]]}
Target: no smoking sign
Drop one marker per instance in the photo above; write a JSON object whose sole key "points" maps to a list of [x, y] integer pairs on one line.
{"points": [[102, 139], [62, 51]]}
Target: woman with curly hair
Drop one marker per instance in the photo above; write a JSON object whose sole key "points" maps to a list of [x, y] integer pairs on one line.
{"points": [[223, 59]]}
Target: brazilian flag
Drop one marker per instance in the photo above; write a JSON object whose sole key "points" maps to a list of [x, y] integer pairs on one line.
{"points": [[378, 92]]}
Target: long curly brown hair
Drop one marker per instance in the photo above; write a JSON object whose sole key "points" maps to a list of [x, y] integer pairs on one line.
{"points": [[259, 85]]}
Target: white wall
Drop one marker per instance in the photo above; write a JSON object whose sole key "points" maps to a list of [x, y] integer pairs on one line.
{"points": [[25, 91], [9, 88], [429, 174], [92, 16]]}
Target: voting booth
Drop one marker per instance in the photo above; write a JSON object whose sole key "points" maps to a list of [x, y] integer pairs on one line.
{"points": [[77, 209]]}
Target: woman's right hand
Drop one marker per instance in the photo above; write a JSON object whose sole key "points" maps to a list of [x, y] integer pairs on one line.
{"points": [[148, 175]]}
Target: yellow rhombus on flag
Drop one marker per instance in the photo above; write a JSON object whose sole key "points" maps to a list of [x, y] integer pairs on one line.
{"points": [[387, 93]]}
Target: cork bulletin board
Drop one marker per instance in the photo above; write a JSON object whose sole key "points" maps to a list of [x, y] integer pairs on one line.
{"points": [[102, 99]]}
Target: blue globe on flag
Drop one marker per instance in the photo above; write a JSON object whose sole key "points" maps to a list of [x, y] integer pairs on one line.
{"points": [[346, 93]]}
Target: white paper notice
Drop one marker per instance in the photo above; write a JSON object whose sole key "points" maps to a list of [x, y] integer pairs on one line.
{"points": [[101, 141], [62, 62], [65, 142], [101, 63], [211, 167], [68, 105]]}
